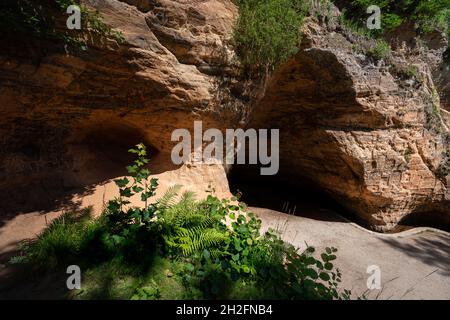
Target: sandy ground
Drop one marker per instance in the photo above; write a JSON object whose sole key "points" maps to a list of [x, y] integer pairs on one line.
{"points": [[414, 264]]}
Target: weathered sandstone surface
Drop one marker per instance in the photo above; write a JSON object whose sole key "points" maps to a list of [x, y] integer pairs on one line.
{"points": [[370, 137], [69, 119], [375, 141]]}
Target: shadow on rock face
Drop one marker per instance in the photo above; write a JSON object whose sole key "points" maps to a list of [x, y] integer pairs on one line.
{"points": [[46, 174]]}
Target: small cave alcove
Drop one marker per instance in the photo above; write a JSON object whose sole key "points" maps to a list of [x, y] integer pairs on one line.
{"points": [[56, 167], [102, 152]]}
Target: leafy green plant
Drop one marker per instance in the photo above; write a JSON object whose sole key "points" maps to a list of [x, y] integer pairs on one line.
{"points": [[267, 33], [45, 19], [206, 249], [380, 50], [426, 15], [129, 227], [240, 246]]}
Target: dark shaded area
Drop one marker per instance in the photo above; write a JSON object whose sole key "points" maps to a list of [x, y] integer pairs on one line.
{"points": [[108, 143], [33, 168], [434, 219], [304, 198], [277, 193], [43, 167], [20, 282], [433, 252]]}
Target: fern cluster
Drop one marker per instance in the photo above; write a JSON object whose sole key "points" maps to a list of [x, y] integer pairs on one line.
{"points": [[185, 226]]}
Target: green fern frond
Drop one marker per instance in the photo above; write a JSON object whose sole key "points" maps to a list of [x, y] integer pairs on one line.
{"points": [[217, 253], [190, 228], [168, 200], [188, 197], [196, 219], [186, 213], [197, 239]]}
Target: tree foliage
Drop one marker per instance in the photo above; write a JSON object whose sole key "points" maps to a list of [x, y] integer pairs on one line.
{"points": [[46, 19], [427, 15]]}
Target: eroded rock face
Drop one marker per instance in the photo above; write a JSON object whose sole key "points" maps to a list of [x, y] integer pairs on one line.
{"points": [[352, 127], [68, 119], [358, 131], [442, 78]]}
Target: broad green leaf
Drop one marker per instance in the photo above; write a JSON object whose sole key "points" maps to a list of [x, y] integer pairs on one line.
{"points": [[328, 266], [121, 183], [324, 276]]}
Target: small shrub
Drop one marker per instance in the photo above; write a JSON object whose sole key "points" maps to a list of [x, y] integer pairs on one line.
{"points": [[405, 72], [380, 50], [267, 33], [411, 72], [130, 228]]}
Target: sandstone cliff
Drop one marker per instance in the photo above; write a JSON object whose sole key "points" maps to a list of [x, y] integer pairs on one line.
{"points": [[358, 128], [374, 138], [68, 119]]}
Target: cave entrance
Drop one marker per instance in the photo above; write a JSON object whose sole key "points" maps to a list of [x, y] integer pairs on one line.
{"points": [[302, 198], [433, 219]]}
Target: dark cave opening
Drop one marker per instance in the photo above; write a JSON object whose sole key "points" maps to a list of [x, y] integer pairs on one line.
{"points": [[110, 146], [302, 198], [433, 219]]}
